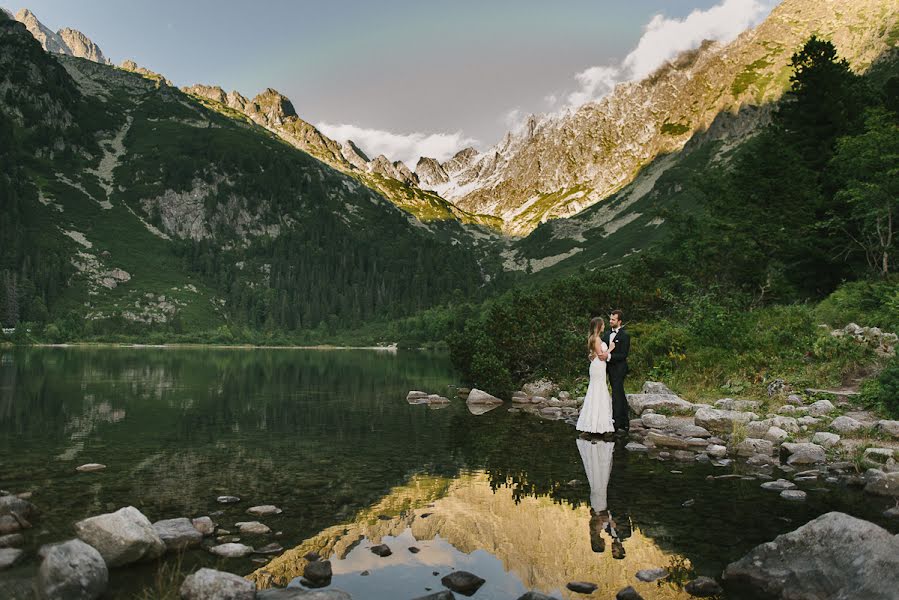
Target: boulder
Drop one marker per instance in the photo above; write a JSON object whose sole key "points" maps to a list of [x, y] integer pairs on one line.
{"points": [[122, 537], [721, 421], [753, 446], [793, 495], [209, 584], [888, 485], [826, 439], [779, 485], [821, 407], [890, 428], [541, 387], [415, 396], [252, 528], [318, 571], [738, 405], [232, 550], [628, 593], [581, 587], [477, 396], [844, 424], [16, 507], [703, 587], [71, 570], [879, 457], [177, 534], [640, 402], [716, 450], [808, 421], [655, 421], [635, 447], [204, 525], [301, 594], [12, 540], [689, 430], [795, 400], [666, 441], [9, 557], [775, 435], [462, 582], [835, 556], [802, 454], [649, 575], [655, 387]]}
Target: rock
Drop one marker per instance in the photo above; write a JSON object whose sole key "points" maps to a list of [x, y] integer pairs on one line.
{"points": [[776, 435], [89, 467], [703, 587], [381, 550], [716, 451], [9, 556], [477, 396], [738, 405], [273, 548], [581, 587], [177, 534], [301, 594], [757, 460], [821, 407], [649, 575], [542, 387], [892, 513], [415, 396], [802, 454], [264, 511], [844, 424], [318, 571], [12, 540], [752, 446], [227, 499], [795, 400], [834, 556], [879, 457], [666, 441], [209, 584], [640, 402], [826, 439], [204, 525], [463, 582], [71, 570], [122, 537], [535, 596], [16, 507], [722, 421], [808, 421], [688, 430], [448, 595], [779, 485], [793, 495], [890, 428], [786, 409], [232, 550], [437, 399], [628, 593], [312, 556], [635, 447], [655, 387], [655, 421], [252, 528], [888, 485], [227, 539]]}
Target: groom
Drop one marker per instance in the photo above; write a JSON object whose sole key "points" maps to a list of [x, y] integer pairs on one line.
{"points": [[617, 368]]}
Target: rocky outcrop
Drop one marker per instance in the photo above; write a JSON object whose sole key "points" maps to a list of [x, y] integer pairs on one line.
{"points": [[835, 556], [66, 41], [430, 173]]}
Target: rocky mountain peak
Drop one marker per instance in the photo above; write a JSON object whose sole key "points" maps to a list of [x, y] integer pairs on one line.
{"points": [[354, 155], [275, 106], [130, 65], [70, 42], [210, 92], [430, 172], [460, 160], [81, 45]]}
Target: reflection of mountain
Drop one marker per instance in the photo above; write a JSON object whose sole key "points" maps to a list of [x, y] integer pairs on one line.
{"points": [[543, 543]]}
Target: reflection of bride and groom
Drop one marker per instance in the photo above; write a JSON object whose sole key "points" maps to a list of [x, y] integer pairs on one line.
{"points": [[597, 458]]}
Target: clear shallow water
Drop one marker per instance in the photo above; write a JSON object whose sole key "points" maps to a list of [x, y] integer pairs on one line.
{"points": [[328, 437]]}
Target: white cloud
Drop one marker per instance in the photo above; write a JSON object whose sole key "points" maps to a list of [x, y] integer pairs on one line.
{"points": [[407, 147], [663, 39], [514, 119]]}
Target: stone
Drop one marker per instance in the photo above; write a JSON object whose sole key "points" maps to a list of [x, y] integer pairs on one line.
{"points": [[802, 454], [844, 424], [795, 400], [89, 467], [581, 587], [721, 421], [786, 409], [416, 395], [227, 499], [318, 571], [716, 450], [649, 575], [753, 446], [531, 596], [888, 485], [71, 570], [177, 534], [462, 582], [381, 550], [834, 556], [808, 421], [826, 439], [778, 485], [541, 387], [890, 428], [12, 540], [232, 550], [879, 457], [122, 537], [209, 584], [635, 447], [204, 525], [9, 556], [264, 510], [252, 528], [821, 407], [775, 435], [666, 441], [628, 593], [793, 495], [703, 587], [655, 387], [757, 460], [273, 548], [640, 402], [477, 396], [655, 421], [301, 594], [16, 507], [448, 595], [738, 405]]}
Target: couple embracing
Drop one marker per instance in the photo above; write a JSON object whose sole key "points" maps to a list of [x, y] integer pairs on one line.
{"points": [[603, 412]]}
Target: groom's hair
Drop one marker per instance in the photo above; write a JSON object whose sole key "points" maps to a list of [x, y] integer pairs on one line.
{"points": [[619, 314]]}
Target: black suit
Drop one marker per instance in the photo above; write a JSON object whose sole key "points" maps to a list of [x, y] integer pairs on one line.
{"points": [[617, 370]]}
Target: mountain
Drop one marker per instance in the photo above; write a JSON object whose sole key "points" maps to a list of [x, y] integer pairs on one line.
{"points": [[130, 207], [558, 165], [70, 42]]}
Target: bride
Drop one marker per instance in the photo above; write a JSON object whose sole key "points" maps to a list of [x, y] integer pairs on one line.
{"points": [[596, 413]]}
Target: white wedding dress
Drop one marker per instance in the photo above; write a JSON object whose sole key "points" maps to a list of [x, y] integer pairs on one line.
{"points": [[597, 459], [596, 413]]}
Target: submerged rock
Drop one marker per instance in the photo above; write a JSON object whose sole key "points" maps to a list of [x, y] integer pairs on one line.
{"points": [[208, 584], [463, 582], [301, 594], [582, 587], [381, 550], [835, 556], [264, 510], [232, 550]]}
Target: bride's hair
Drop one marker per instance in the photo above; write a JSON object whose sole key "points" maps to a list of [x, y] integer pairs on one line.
{"points": [[597, 324]]}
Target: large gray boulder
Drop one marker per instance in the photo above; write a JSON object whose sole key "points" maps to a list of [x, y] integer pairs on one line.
{"points": [[301, 594], [71, 570], [640, 402], [835, 556], [178, 534], [890, 428], [753, 446], [802, 454], [888, 485], [821, 407], [656, 387], [738, 405], [542, 387], [122, 537], [477, 396], [721, 421], [209, 584], [844, 424]]}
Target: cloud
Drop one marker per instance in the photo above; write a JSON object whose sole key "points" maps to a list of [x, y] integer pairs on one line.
{"points": [[407, 147], [663, 39]]}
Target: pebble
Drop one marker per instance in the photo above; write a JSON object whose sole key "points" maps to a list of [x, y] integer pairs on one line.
{"points": [[90, 467], [582, 587], [793, 495], [227, 499], [264, 510], [779, 485]]}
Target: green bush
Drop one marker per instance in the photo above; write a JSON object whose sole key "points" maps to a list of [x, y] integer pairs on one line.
{"points": [[871, 303], [883, 392]]}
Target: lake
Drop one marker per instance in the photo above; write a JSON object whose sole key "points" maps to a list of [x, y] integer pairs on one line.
{"points": [[328, 437]]}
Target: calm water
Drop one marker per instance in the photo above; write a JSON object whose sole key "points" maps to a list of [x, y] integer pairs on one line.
{"points": [[328, 437]]}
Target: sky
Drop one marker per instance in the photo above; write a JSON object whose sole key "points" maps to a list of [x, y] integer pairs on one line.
{"points": [[405, 77]]}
